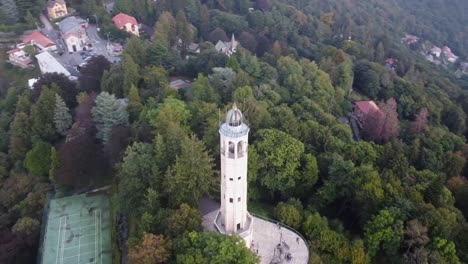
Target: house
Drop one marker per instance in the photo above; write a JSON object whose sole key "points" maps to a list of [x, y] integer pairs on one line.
{"points": [[227, 48], [390, 64], [177, 84], [436, 51], [19, 58], [126, 23], [73, 31], [56, 9], [449, 55], [48, 64], [194, 48], [410, 39], [40, 42], [362, 108]]}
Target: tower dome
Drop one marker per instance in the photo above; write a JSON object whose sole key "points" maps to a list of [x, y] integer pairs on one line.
{"points": [[235, 125], [234, 117]]}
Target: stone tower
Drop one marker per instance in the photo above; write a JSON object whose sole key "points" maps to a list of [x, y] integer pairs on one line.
{"points": [[233, 217]]}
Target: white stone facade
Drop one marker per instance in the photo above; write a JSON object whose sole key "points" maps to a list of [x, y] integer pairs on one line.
{"points": [[233, 217]]}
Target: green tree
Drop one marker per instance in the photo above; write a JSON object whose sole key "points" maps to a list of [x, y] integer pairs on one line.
{"points": [[123, 6], [54, 163], [134, 106], [164, 29], [222, 81], [158, 53], [384, 231], [290, 213], [184, 30], [446, 250], [137, 49], [62, 117], [131, 74], [135, 173], [202, 91], [107, 113], [113, 80], [42, 116], [200, 248], [233, 64], [184, 219], [193, 170], [37, 160], [155, 82], [19, 137], [280, 158]]}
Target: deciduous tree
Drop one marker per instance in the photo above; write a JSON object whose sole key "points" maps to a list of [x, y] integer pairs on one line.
{"points": [[91, 74], [152, 249]]}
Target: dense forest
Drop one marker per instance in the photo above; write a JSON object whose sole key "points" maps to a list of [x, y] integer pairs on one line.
{"points": [[396, 196]]}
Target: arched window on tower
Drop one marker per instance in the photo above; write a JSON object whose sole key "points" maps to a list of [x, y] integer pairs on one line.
{"points": [[223, 148], [240, 149], [232, 149]]}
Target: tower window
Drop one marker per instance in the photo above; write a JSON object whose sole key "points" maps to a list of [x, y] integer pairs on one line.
{"points": [[238, 199], [231, 200], [239, 178], [231, 179], [238, 226], [240, 149], [231, 150]]}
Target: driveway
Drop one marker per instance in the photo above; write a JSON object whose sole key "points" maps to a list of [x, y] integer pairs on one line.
{"points": [[45, 21]]}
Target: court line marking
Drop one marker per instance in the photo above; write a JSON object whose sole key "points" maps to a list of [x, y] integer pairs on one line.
{"points": [[95, 237], [82, 220], [80, 227], [74, 256], [61, 241], [79, 247], [58, 240], [100, 232], [81, 244], [100, 238]]}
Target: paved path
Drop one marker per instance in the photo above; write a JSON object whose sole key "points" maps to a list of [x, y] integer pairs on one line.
{"points": [[46, 22], [266, 236]]}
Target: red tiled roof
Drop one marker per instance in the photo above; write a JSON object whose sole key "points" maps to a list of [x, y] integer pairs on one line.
{"points": [[121, 19], [39, 39], [366, 106]]}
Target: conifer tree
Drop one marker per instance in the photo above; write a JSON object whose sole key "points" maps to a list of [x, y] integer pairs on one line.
{"points": [[62, 117], [107, 113], [203, 91], [42, 115], [134, 104]]}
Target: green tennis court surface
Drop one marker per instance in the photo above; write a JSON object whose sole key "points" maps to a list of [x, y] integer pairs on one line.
{"points": [[78, 231]]}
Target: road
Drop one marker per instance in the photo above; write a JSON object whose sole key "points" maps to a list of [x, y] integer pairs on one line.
{"points": [[47, 25]]}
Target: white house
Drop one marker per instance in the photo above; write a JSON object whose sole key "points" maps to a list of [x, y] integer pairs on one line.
{"points": [[436, 51], [73, 31], [233, 217], [48, 64], [19, 58], [227, 48]]}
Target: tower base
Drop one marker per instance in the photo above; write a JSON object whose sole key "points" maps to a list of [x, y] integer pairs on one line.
{"points": [[245, 233]]}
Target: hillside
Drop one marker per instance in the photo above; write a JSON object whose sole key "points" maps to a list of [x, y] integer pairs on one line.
{"points": [[355, 140]]}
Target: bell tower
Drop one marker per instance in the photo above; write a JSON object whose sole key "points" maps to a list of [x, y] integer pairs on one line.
{"points": [[233, 217]]}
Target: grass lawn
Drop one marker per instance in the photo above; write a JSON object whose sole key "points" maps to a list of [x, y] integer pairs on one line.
{"points": [[265, 210]]}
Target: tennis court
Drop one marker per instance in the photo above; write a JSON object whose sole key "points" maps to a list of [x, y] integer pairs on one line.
{"points": [[78, 231]]}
